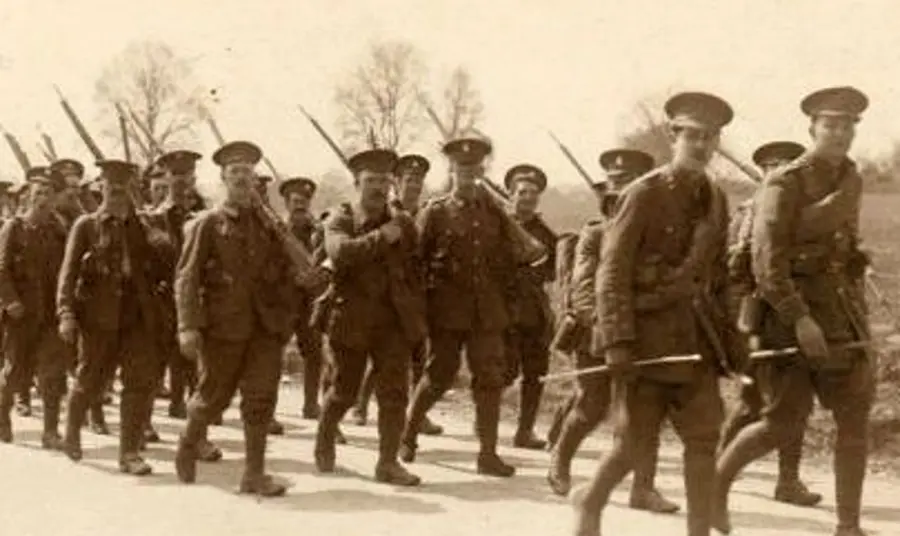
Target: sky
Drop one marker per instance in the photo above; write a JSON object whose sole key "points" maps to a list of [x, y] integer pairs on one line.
{"points": [[575, 67]]}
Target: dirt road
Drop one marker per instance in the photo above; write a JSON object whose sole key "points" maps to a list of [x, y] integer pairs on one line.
{"points": [[45, 494]]}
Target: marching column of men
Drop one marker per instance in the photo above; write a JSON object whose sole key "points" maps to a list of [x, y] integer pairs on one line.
{"points": [[90, 281]]}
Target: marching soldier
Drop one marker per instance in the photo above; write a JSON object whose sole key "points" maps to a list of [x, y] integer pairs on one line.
{"points": [[71, 205], [298, 193], [528, 336], [789, 489], [592, 397], [469, 259], [31, 251], [808, 271], [377, 310], [663, 244], [410, 181], [233, 316], [104, 298]]}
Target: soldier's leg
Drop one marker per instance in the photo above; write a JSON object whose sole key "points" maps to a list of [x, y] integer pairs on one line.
{"points": [[349, 366], [644, 495], [790, 489], [638, 407], [179, 381], [162, 356], [745, 412], [366, 388], [440, 371], [23, 394], [96, 416], [417, 368], [260, 376], [484, 354], [142, 367], [589, 406], [96, 362], [328, 372], [696, 412], [309, 343], [390, 367], [18, 342], [535, 362], [52, 356], [849, 396], [788, 396], [219, 374]]}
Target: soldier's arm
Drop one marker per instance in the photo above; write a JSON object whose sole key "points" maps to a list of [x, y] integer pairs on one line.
{"points": [[773, 227], [8, 293], [188, 273], [70, 269], [347, 251], [820, 218], [615, 274], [584, 273]]}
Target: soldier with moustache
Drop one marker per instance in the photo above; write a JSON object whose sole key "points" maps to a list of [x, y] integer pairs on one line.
{"points": [[808, 271], [234, 316], [377, 310], [105, 301], [665, 243], [789, 489], [31, 251], [75, 200], [409, 177], [531, 325], [469, 260], [590, 403]]}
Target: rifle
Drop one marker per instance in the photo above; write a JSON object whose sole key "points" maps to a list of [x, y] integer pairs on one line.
{"points": [[603, 369], [334, 147], [572, 160], [145, 130], [17, 150], [123, 131]]}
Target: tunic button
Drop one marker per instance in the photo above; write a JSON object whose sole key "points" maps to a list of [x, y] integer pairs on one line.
{"points": [[475, 223], [475, 242], [669, 229]]}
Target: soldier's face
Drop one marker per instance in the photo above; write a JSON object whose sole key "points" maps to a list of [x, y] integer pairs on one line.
{"points": [[373, 187], [464, 175], [159, 190], [298, 204], [525, 197], [41, 197], [832, 135], [116, 194], [178, 189], [409, 188], [693, 148], [240, 182]]}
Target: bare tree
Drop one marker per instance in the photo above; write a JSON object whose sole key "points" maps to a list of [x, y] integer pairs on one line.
{"points": [[155, 88], [463, 107], [379, 98]]}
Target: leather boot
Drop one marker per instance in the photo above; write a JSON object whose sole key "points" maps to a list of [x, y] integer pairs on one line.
{"points": [[186, 452], [275, 428], [388, 470], [487, 421], [424, 398], [699, 471], [644, 495], [133, 411], [50, 439], [255, 479], [324, 450], [529, 402], [178, 409], [752, 443], [849, 531], [6, 403], [312, 380], [849, 474], [430, 428], [76, 408], [559, 476], [790, 489]]}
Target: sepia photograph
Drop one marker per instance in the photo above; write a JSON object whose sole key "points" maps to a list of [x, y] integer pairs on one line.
{"points": [[449, 268]]}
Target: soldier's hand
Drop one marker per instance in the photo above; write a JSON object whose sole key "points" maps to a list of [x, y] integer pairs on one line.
{"points": [[190, 342], [68, 329], [392, 231], [16, 310], [811, 339]]}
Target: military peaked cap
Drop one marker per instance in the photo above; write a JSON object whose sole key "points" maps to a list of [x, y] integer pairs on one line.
{"points": [[235, 152], [776, 152], [695, 109], [525, 173], [302, 185], [844, 101]]}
